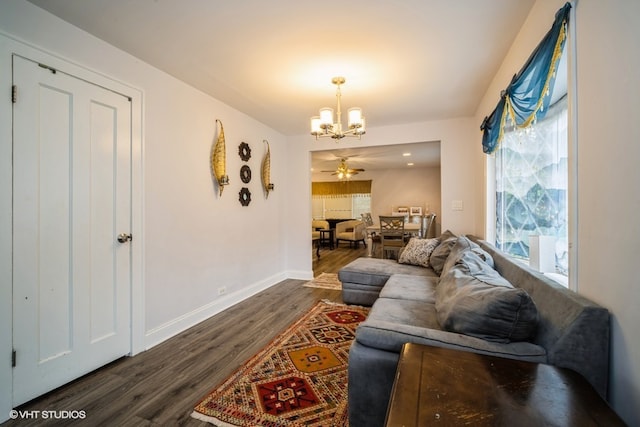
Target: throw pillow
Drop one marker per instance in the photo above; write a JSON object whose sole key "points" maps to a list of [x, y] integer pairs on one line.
{"points": [[418, 251], [473, 299], [441, 253]]}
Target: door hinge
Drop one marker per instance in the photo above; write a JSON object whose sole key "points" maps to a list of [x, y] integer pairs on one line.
{"points": [[14, 94], [13, 358]]}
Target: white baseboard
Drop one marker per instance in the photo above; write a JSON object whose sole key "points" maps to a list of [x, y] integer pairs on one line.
{"points": [[300, 274], [170, 329]]}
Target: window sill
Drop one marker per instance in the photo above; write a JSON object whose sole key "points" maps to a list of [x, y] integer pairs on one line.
{"points": [[561, 279]]}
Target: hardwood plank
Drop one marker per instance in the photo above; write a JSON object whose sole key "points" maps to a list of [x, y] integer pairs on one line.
{"points": [[331, 261], [162, 385]]}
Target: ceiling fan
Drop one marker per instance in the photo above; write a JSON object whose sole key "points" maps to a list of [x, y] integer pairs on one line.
{"points": [[343, 171]]}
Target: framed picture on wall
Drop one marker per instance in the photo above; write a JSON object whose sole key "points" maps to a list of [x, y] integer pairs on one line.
{"points": [[403, 210], [415, 210]]}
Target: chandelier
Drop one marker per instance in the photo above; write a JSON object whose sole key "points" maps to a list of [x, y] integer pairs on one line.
{"points": [[324, 125]]}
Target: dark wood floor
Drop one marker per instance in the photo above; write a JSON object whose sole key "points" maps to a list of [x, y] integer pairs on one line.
{"points": [[162, 385], [333, 260]]}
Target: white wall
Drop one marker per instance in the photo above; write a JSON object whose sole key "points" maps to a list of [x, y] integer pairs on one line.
{"points": [[608, 176], [193, 241], [405, 187], [608, 150]]}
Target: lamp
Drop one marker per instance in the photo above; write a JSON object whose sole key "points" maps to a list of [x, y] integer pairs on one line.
{"points": [[324, 125]]}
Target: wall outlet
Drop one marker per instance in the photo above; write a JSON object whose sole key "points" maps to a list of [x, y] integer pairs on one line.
{"points": [[222, 290]]}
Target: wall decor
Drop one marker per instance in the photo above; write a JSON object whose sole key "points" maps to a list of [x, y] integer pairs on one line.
{"points": [[245, 174], [266, 171], [244, 196], [244, 151], [219, 160]]}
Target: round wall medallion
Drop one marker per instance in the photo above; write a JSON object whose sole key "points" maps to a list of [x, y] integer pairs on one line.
{"points": [[245, 196], [245, 174], [244, 151]]}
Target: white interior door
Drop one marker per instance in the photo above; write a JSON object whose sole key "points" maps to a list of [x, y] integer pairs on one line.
{"points": [[72, 198]]}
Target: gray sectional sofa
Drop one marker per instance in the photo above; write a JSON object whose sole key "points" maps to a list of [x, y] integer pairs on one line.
{"points": [[526, 316]]}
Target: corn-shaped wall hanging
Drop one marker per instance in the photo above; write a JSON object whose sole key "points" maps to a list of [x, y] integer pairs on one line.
{"points": [[219, 160], [266, 171]]}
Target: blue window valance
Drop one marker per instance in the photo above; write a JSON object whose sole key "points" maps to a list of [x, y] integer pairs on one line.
{"points": [[527, 97]]}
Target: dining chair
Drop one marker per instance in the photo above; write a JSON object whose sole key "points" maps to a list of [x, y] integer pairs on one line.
{"points": [[427, 222], [374, 235], [391, 234]]}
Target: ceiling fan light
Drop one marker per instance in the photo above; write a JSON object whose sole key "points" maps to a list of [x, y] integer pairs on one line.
{"points": [[326, 117], [355, 117]]}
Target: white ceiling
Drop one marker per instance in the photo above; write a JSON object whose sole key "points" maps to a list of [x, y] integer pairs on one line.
{"points": [[404, 60], [425, 154]]}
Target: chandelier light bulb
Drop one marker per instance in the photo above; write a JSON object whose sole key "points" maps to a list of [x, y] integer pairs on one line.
{"points": [[362, 129], [326, 117], [315, 126], [355, 117]]}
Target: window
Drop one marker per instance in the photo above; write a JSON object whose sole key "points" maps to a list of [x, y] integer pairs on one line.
{"points": [[529, 130], [347, 206], [532, 186], [340, 200]]}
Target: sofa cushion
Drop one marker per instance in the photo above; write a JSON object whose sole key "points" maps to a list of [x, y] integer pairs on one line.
{"points": [[393, 322], [464, 244], [473, 299], [389, 337], [410, 287], [405, 312], [441, 253], [376, 271], [418, 251], [445, 235], [365, 295]]}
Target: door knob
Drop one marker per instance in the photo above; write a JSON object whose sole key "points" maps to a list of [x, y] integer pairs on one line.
{"points": [[124, 237]]}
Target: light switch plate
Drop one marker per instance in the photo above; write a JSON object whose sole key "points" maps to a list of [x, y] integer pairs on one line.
{"points": [[457, 205]]}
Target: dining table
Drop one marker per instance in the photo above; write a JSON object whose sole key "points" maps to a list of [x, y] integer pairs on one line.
{"points": [[409, 227]]}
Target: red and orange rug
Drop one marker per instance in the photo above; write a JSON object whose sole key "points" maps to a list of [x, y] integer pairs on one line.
{"points": [[299, 379]]}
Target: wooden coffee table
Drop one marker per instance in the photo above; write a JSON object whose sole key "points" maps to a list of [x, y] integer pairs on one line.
{"points": [[438, 386]]}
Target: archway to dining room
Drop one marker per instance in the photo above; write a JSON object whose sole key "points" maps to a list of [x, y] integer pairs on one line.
{"points": [[401, 177]]}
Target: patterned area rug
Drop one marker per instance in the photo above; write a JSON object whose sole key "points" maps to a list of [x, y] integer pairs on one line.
{"points": [[299, 379], [325, 281]]}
